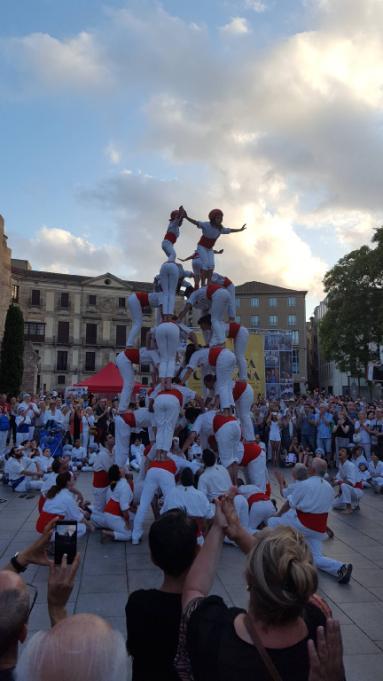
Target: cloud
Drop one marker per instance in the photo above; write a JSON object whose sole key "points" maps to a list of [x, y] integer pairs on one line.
{"points": [[255, 5], [236, 26], [75, 62], [113, 154], [59, 250]]}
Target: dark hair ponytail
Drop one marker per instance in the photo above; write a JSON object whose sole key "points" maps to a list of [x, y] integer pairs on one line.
{"points": [[114, 476], [61, 482]]}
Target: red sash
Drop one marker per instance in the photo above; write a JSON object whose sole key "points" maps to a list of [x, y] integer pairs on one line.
{"points": [[313, 521], [133, 354], [45, 518], [251, 452], [233, 330], [258, 496], [143, 298], [113, 507], [206, 242], [213, 355], [211, 289], [176, 393], [167, 465], [129, 419], [41, 503], [268, 489], [227, 282], [238, 389], [147, 449], [219, 420], [169, 236], [358, 485], [100, 479]]}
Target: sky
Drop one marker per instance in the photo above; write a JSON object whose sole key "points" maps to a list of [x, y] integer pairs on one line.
{"points": [[115, 112]]}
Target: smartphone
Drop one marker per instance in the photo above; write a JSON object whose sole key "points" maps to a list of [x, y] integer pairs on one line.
{"points": [[65, 540]]}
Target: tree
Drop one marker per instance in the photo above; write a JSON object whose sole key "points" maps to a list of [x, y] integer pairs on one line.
{"points": [[353, 322], [12, 348]]}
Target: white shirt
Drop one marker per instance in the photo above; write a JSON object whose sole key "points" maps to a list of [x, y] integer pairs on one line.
{"points": [[192, 500], [64, 503], [104, 460], [347, 471], [78, 453], [48, 482], [203, 426], [314, 495], [56, 416], [122, 493], [199, 300], [210, 231], [137, 451], [375, 471], [214, 481], [45, 462]]}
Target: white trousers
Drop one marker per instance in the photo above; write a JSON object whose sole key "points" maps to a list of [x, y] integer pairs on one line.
{"points": [[135, 309], [240, 346], [220, 303], [166, 412], [169, 275], [28, 484], [169, 249], [156, 479], [231, 291], [313, 539], [257, 471], [224, 372], [348, 495], [228, 438], [167, 338], [242, 508], [260, 512], [126, 370], [242, 407], [122, 433], [99, 498], [112, 522], [207, 257]]}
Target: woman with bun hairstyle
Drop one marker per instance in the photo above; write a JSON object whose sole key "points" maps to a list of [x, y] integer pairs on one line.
{"points": [[275, 638], [210, 232]]}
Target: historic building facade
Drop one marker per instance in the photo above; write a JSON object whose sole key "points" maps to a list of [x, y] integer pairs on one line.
{"points": [[5, 275], [75, 324]]}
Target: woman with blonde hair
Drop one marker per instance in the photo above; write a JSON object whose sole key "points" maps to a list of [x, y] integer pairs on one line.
{"points": [[274, 638]]}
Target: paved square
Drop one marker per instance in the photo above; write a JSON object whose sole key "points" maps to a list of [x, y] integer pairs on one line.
{"points": [[109, 572]]}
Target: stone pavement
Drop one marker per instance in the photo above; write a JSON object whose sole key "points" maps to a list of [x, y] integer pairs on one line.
{"points": [[109, 572]]}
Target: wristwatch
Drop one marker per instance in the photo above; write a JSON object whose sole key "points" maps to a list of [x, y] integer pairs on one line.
{"points": [[17, 566]]}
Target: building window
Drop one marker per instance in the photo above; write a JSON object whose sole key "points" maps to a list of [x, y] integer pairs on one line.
{"points": [[295, 362], [254, 302], [295, 337], [273, 320], [90, 361], [35, 296], [60, 380], [145, 368], [292, 320], [272, 302], [122, 302], [120, 336], [91, 334], [62, 360], [254, 321], [34, 331], [92, 300], [291, 301], [237, 302], [15, 293], [144, 380], [64, 299], [63, 332]]}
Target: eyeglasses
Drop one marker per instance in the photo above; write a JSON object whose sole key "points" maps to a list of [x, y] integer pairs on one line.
{"points": [[33, 593]]}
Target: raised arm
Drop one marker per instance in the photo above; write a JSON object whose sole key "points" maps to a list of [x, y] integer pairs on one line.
{"points": [[183, 312], [241, 229], [190, 257]]}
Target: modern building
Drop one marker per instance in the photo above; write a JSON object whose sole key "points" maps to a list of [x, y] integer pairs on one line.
{"points": [[262, 307]]}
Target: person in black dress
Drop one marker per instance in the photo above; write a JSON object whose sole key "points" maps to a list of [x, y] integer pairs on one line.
{"points": [[281, 623], [153, 615]]}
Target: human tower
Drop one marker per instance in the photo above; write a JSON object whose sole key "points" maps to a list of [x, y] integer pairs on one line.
{"points": [[221, 418]]}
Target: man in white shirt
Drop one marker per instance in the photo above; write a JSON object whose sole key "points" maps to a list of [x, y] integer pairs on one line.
{"points": [[185, 496], [215, 481], [350, 486]]}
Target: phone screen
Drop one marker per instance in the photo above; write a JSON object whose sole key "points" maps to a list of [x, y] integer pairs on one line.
{"points": [[65, 540]]}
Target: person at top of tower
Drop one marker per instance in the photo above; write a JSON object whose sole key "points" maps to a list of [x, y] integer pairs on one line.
{"points": [[197, 264], [172, 233], [210, 232]]}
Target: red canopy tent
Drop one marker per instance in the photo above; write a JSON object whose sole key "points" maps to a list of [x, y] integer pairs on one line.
{"points": [[107, 380]]}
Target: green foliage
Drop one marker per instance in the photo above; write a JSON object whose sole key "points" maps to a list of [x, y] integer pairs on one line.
{"points": [[12, 348], [354, 317]]}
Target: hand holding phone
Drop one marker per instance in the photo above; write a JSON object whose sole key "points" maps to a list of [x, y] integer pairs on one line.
{"points": [[65, 540]]}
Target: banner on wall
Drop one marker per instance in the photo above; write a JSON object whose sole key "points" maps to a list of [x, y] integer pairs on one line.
{"points": [[278, 365], [255, 364]]}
